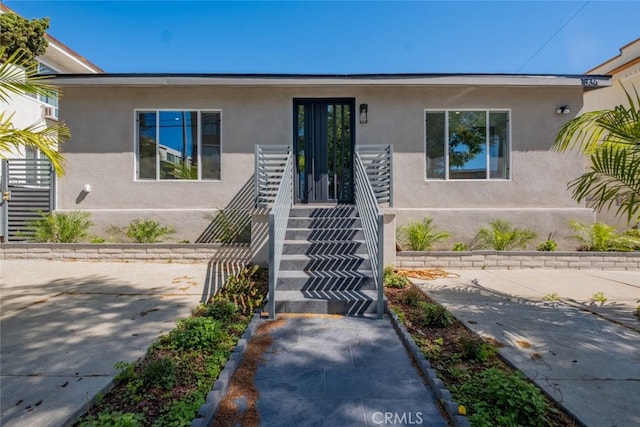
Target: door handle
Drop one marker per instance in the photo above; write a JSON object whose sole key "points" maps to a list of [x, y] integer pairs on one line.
{"points": [[6, 196]]}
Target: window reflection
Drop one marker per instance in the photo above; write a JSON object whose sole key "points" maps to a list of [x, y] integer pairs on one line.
{"points": [[181, 145]]}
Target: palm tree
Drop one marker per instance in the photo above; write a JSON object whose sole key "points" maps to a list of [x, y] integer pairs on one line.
{"points": [[16, 78], [612, 140]]}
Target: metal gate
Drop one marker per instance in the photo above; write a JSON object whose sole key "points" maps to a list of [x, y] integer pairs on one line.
{"points": [[28, 187]]}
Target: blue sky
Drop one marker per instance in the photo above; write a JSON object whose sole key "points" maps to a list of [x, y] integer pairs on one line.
{"points": [[335, 37]]}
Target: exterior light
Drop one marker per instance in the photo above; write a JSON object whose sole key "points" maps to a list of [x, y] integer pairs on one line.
{"points": [[563, 110], [364, 111]]}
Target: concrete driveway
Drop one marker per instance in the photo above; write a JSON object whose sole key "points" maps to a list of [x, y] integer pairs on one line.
{"points": [[63, 326]]}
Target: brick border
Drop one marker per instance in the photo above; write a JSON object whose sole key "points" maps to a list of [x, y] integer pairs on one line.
{"points": [[107, 252], [519, 260]]}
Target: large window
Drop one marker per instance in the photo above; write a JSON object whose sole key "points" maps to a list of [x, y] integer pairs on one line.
{"points": [[178, 145], [467, 144]]}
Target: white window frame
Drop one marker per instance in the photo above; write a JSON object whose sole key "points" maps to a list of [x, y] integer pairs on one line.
{"points": [[446, 112], [136, 143]]}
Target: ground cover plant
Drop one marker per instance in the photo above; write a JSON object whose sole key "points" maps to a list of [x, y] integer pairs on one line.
{"points": [[171, 382], [492, 393]]}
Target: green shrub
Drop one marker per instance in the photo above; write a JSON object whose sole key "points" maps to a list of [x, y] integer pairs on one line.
{"points": [[412, 297], [147, 231], [460, 247], [547, 246], [198, 333], [60, 227], [495, 397], [244, 290], [395, 280], [435, 315], [421, 235], [159, 373], [221, 310], [601, 237], [113, 419], [502, 236], [473, 347]]}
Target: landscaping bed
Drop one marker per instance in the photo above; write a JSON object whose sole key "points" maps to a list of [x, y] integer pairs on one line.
{"points": [[488, 390], [168, 386]]}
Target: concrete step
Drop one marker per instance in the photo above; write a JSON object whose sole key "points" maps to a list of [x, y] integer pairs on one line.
{"points": [[292, 280], [339, 211], [322, 302], [324, 262], [323, 235], [292, 247], [328, 223]]}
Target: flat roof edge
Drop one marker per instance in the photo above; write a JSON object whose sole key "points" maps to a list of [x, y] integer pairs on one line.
{"points": [[173, 79]]}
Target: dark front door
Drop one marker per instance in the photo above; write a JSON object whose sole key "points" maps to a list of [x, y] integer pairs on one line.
{"points": [[324, 143]]}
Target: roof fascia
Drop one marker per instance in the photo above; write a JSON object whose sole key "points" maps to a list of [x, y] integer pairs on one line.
{"points": [[160, 80]]}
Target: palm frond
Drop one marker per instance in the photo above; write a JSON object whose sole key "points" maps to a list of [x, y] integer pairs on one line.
{"points": [[614, 178], [16, 77], [44, 138]]}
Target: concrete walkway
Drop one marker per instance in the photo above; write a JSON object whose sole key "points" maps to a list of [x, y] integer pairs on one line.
{"points": [[341, 371], [583, 354]]}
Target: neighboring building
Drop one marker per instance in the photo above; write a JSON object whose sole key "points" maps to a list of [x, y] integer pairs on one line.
{"points": [[466, 148], [625, 74], [27, 110]]}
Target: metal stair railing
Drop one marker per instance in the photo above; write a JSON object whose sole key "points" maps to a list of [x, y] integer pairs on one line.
{"points": [[378, 164], [372, 224], [269, 166], [278, 219]]}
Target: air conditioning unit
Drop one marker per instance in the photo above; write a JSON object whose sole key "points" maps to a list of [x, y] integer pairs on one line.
{"points": [[50, 112]]}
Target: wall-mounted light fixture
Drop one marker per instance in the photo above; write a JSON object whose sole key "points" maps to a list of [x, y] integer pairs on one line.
{"points": [[87, 188], [564, 109], [364, 112]]}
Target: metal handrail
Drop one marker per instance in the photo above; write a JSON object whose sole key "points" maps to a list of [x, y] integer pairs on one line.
{"points": [[378, 164], [373, 226], [269, 168], [278, 219]]}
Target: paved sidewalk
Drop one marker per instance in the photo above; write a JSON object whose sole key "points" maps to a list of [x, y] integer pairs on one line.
{"points": [[341, 371], [588, 362], [63, 326]]}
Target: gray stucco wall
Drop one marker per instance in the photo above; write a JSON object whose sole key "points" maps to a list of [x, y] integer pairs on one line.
{"points": [[101, 153]]}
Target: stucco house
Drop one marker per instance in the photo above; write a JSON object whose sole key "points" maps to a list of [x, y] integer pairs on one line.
{"points": [[127, 130], [322, 167]]}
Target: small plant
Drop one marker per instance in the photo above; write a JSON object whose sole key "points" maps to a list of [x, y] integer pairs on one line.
{"points": [[599, 297], [127, 371], [601, 237], [636, 312], [97, 240], [435, 315], [113, 419], [552, 297], [495, 397], [198, 333], [472, 347], [421, 235], [60, 227], [147, 231], [221, 310], [412, 297], [502, 236], [460, 247], [395, 280], [244, 290], [159, 373], [549, 245]]}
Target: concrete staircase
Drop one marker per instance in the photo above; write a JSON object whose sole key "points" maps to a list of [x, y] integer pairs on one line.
{"points": [[325, 267]]}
